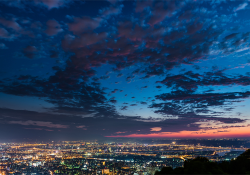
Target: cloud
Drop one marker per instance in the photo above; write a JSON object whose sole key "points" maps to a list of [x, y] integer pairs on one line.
{"points": [[84, 23], [54, 54], [104, 77], [52, 3], [53, 28], [114, 91], [12, 24], [113, 1], [75, 95], [30, 51], [112, 10], [210, 99], [139, 44], [81, 127], [97, 127], [141, 5], [112, 100], [38, 123], [2, 45], [119, 75], [161, 10], [161, 37], [196, 107], [4, 33], [14, 3], [124, 108], [49, 4], [155, 129], [85, 40], [241, 7], [40, 129], [190, 81], [186, 15]]}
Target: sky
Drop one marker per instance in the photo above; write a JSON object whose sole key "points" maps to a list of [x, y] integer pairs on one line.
{"points": [[78, 70]]}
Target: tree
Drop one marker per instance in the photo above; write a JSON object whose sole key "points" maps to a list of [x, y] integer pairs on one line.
{"points": [[202, 165]]}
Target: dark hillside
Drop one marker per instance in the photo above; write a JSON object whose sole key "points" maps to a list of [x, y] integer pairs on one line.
{"points": [[202, 165]]}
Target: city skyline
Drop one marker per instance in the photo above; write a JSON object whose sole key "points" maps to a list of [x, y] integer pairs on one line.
{"points": [[80, 70], [111, 158]]}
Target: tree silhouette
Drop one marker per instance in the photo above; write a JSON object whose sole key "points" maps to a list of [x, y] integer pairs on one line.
{"points": [[202, 165]]}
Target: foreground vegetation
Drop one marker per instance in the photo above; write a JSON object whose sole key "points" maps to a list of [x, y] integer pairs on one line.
{"points": [[202, 165]]}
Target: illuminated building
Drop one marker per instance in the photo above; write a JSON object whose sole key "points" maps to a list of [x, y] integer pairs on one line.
{"points": [[3, 169]]}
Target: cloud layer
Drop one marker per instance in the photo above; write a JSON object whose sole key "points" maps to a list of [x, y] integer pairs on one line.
{"points": [[139, 67]]}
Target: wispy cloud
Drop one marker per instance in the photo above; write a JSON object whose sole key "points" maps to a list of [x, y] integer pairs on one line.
{"points": [[38, 123], [241, 7]]}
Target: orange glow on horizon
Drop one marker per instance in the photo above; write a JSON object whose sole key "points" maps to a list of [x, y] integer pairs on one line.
{"points": [[227, 133]]}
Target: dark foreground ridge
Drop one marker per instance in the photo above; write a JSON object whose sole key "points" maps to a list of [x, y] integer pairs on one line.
{"points": [[202, 165]]}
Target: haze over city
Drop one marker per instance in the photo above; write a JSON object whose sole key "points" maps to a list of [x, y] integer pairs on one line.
{"points": [[86, 70]]}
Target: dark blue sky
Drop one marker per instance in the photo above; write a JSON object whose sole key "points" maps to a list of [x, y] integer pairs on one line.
{"points": [[96, 69]]}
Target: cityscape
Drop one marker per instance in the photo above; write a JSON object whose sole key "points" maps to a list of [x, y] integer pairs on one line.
{"points": [[79, 157]]}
